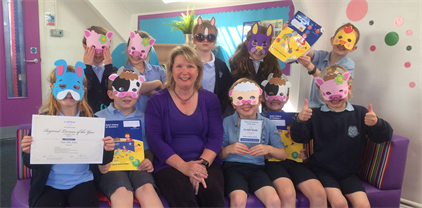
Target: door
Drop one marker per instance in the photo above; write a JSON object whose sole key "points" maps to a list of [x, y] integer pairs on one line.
{"points": [[20, 72]]}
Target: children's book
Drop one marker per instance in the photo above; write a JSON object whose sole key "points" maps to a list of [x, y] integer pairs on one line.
{"points": [[296, 39], [129, 145], [283, 122]]}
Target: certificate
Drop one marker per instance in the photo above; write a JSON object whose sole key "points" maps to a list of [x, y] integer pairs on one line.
{"points": [[67, 140], [250, 131]]}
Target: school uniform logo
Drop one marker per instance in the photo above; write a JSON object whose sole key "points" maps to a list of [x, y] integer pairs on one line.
{"points": [[353, 131]]}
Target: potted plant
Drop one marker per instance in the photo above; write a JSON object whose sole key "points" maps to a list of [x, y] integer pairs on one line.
{"points": [[185, 25]]}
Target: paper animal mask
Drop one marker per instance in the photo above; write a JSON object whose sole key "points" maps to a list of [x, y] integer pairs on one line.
{"points": [[260, 41], [334, 88], [127, 82], [98, 41], [345, 37], [245, 92], [69, 82], [276, 87], [139, 45]]}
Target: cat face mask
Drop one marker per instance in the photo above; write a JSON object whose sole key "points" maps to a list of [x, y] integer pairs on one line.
{"points": [[260, 41]]}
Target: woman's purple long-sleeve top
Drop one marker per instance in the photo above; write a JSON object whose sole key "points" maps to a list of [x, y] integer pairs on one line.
{"points": [[157, 125]]}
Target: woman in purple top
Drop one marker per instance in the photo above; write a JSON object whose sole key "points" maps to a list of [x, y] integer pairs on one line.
{"points": [[184, 130]]}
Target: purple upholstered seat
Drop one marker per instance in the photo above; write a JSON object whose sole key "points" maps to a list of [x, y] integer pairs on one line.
{"points": [[382, 175]]}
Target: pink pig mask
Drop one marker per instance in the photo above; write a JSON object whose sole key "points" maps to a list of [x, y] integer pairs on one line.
{"points": [[123, 87], [98, 41], [334, 88], [140, 46]]}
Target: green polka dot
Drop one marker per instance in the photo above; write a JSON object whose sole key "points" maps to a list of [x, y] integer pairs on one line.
{"points": [[391, 38], [294, 155], [131, 158]]}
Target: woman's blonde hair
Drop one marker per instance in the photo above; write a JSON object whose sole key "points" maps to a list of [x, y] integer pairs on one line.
{"points": [[240, 61], [191, 56], [331, 73], [51, 106]]}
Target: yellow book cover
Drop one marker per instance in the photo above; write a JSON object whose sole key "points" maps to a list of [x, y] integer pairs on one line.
{"points": [[129, 145], [296, 39], [283, 121], [128, 155]]}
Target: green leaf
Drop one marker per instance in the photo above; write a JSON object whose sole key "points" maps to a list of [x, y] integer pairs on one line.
{"points": [[186, 22]]}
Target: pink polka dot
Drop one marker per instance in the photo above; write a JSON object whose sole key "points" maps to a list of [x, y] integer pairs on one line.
{"points": [[253, 102], [238, 102], [399, 21], [372, 48], [115, 92], [409, 32], [407, 64], [412, 84], [356, 10]]}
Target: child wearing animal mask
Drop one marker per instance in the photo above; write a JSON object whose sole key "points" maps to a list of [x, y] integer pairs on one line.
{"points": [[244, 166], [339, 131], [138, 48], [98, 61], [59, 185], [252, 59], [343, 42], [288, 174], [124, 88], [216, 78]]}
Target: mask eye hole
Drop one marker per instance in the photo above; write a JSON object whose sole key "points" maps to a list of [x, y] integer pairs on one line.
{"points": [[93, 46], [328, 93], [254, 42], [340, 90], [252, 97], [76, 87], [240, 98], [350, 40], [340, 37], [264, 44], [143, 51], [134, 90], [133, 48], [138, 84], [281, 94], [62, 86], [103, 47], [121, 89]]}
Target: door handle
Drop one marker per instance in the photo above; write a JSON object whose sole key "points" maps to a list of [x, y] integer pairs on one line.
{"points": [[32, 61]]}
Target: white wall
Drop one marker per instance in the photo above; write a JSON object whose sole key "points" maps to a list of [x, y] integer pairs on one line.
{"points": [[73, 17]]}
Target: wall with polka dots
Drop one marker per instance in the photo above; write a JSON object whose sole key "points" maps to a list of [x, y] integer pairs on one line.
{"points": [[388, 70]]}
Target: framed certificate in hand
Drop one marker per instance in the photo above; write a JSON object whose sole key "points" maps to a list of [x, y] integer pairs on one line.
{"points": [[67, 140]]}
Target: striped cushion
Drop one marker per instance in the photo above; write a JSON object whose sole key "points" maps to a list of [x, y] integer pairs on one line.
{"points": [[375, 162], [21, 170]]}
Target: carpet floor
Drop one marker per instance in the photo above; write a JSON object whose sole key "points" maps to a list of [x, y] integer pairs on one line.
{"points": [[7, 170]]}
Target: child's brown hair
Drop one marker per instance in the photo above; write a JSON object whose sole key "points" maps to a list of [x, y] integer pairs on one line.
{"points": [[51, 106], [240, 61]]}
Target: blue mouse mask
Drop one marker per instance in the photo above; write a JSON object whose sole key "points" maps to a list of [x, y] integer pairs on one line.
{"points": [[69, 82]]}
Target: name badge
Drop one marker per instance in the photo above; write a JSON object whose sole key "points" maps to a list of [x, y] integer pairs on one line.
{"points": [[250, 131]]}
